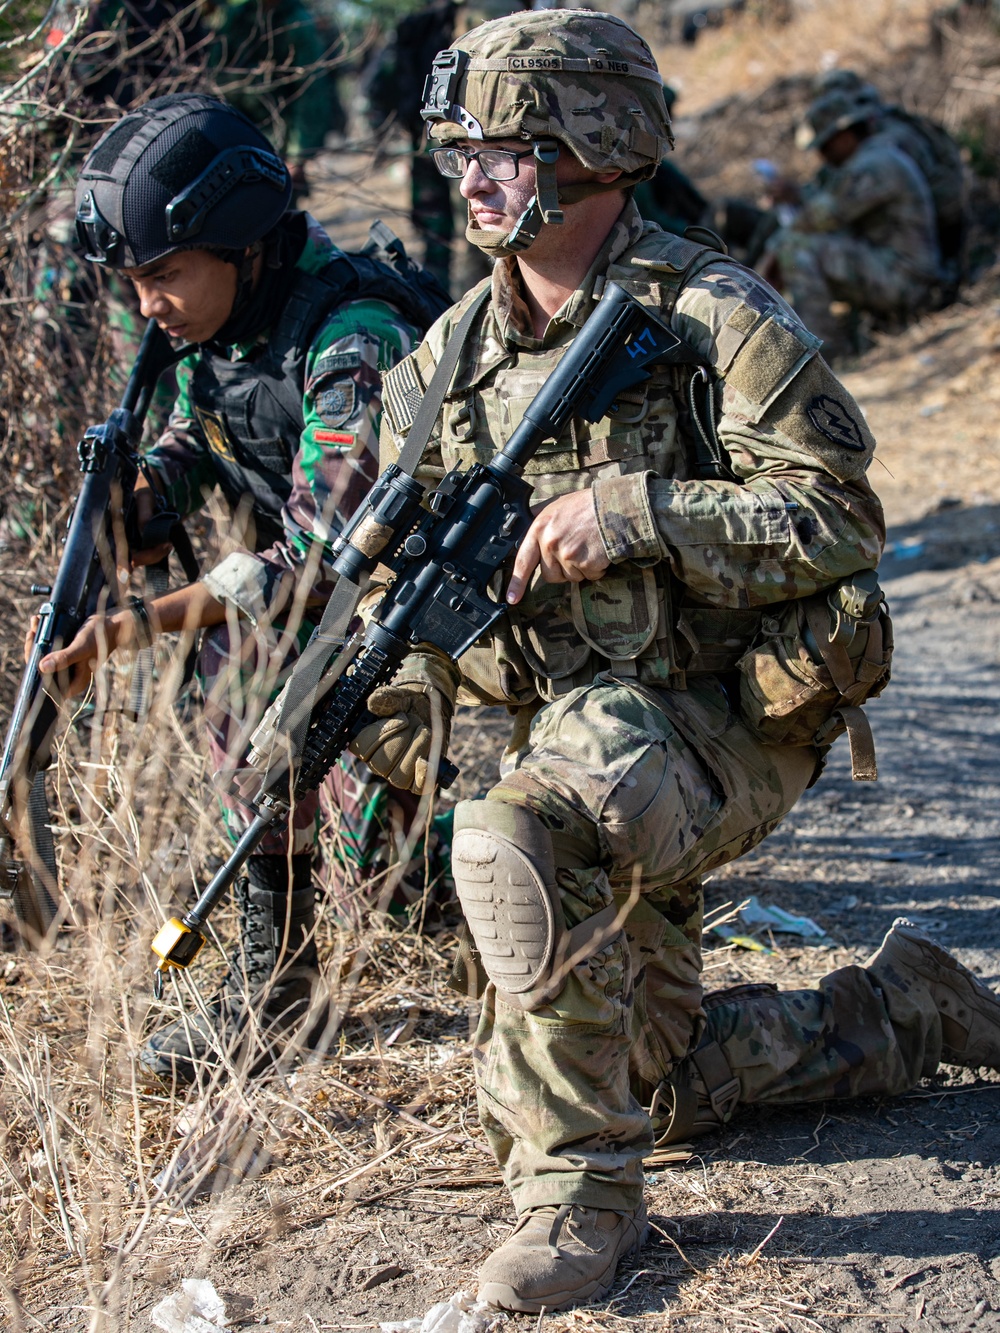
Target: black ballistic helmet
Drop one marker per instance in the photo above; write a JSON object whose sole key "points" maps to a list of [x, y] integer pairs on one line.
{"points": [[183, 172]]}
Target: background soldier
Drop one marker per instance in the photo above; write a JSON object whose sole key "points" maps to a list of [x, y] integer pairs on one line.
{"points": [[656, 733], [278, 407], [866, 234], [936, 154], [394, 89], [271, 61]]}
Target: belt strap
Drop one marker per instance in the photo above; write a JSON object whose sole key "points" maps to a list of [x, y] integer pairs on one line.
{"points": [[864, 766]]}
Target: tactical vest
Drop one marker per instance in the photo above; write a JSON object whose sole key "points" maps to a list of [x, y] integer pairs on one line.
{"points": [[636, 620], [251, 410]]}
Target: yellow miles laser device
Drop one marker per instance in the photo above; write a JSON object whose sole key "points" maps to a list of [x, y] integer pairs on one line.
{"points": [[177, 944]]}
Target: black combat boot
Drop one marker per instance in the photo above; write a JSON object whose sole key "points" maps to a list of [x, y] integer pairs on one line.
{"points": [[268, 987]]}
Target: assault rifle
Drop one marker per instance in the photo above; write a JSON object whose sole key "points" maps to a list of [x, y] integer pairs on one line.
{"points": [[86, 579], [443, 550]]}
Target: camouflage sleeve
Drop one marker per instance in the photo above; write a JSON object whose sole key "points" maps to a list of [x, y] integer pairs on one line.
{"points": [[336, 461], [849, 194], [180, 459], [800, 514]]}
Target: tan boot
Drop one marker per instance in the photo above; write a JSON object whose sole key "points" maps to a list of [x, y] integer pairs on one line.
{"points": [[970, 1011], [558, 1256]]}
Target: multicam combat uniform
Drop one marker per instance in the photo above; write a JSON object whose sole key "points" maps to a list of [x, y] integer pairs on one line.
{"points": [[628, 744], [292, 452], [867, 236]]}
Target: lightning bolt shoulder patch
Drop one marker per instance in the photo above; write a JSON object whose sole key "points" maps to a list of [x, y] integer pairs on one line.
{"points": [[834, 421]]}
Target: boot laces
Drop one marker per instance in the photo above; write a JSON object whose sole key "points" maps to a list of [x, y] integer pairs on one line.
{"points": [[561, 1214]]}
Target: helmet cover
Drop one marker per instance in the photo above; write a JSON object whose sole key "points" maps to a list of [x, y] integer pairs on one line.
{"points": [[835, 111], [586, 80]]}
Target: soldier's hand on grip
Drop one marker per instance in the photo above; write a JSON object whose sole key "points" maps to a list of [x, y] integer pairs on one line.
{"points": [[565, 539]]}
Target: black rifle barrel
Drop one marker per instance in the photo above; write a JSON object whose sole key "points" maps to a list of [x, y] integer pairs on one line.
{"points": [[59, 618]]}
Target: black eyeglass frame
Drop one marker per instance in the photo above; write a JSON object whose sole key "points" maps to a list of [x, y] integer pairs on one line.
{"points": [[511, 153]]}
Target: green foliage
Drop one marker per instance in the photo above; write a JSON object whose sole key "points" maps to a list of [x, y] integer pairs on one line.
{"points": [[980, 145], [357, 16]]}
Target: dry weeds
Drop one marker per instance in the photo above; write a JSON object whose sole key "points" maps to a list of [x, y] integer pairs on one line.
{"points": [[111, 1188]]}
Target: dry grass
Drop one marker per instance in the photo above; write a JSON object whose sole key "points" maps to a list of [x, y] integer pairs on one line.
{"points": [[111, 1185], [111, 1188], [98, 1168]]}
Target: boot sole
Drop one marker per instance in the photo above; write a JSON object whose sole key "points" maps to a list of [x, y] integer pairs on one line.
{"points": [[975, 997], [504, 1297]]}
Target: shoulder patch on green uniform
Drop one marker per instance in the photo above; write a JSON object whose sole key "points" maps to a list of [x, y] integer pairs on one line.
{"points": [[335, 403], [402, 390]]}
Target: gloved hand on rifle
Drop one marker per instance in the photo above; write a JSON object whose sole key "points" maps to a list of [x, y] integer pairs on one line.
{"points": [[419, 701]]}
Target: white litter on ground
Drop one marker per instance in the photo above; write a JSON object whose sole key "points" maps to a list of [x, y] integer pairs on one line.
{"points": [[196, 1308], [458, 1314]]}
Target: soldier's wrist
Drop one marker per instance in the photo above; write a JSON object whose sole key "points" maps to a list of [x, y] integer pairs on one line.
{"points": [[131, 625], [625, 517]]}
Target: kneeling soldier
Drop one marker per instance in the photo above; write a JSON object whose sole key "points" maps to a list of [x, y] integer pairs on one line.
{"points": [[668, 707]]}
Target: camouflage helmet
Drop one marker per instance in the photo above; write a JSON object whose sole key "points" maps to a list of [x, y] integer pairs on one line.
{"points": [[845, 81], [584, 79], [834, 111], [559, 76]]}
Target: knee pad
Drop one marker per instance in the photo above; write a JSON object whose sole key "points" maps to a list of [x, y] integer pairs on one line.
{"points": [[505, 877], [504, 872]]}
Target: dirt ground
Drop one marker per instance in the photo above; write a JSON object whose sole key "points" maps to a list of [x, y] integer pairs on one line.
{"points": [[371, 1194]]}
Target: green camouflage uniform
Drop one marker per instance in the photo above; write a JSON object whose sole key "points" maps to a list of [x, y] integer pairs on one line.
{"points": [[867, 236], [330, 472], [627, 742]]}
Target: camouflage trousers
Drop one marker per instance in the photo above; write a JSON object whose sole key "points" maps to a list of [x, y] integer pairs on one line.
{"points": [[642, 792], [240, 670], [821, 268]]}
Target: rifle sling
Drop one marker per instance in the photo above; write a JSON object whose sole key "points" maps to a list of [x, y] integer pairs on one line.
{"points": [[300, 691]]}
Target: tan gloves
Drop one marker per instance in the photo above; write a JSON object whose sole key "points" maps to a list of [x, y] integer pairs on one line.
{"points": [[420, 698]]}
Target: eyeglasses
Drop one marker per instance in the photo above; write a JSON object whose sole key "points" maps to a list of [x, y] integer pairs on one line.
{"points": [[496, 164]]}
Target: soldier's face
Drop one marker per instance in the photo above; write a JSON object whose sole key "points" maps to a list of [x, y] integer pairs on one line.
{"points": [[841, 147], [190, 294], [497, 205]]}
